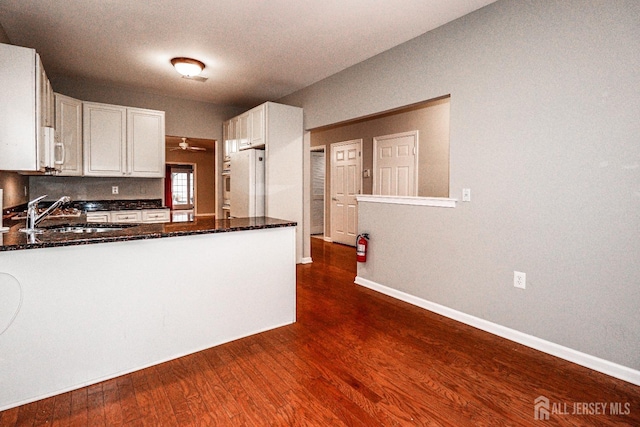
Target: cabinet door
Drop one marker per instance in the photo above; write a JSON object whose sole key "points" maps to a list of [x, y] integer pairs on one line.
{"points": [[257, 126], [156, 215], [226, 138], [126, 216], [146, 143], [68, 135], [230, 142], [242, 131], [44, 119], [101, 217], [47, 110], [104, 134]]}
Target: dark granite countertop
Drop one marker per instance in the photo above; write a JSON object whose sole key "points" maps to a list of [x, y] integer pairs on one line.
{"points": [[117, 205], [16, 240], [91, 206]]}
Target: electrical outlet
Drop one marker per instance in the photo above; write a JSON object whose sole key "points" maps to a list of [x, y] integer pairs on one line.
{"points": [[466, 194], [114, 189], [520, 279]]}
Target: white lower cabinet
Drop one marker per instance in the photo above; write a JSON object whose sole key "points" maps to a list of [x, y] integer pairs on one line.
{"points": [[126, 216], [100, 216], [145, 216], [156, 215]]}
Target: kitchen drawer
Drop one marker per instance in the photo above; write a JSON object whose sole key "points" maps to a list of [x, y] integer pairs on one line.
{"points": [[101, 217], [156, 215], [126, 216]]}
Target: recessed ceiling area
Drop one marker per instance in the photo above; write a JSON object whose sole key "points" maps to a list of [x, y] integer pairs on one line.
{"points": [[253, 50]]}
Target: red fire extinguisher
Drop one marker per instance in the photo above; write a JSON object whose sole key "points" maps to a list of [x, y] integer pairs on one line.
{"points": [[361, 247]]}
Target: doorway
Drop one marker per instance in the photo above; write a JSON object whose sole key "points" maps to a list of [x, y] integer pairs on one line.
{"points": [[318, 170], [395, 164], [180, 188], [346, 164]]}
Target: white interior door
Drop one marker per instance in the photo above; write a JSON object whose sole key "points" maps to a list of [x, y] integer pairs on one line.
{"points": [[318, 168], [395, 164], [345, 185]]}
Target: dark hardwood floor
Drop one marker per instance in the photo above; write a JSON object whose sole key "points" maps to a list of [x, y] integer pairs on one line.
{"points": [[354, 358]]}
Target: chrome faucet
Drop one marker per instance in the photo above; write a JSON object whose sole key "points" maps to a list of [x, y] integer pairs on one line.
{"points": [[33, 219]]}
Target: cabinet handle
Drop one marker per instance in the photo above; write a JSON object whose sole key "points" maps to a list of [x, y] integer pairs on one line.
{"points": [[62, 154]]}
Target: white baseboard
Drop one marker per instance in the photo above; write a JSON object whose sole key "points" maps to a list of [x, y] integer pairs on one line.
{"points": [[328, 239], [306, 260], [597, 364]]}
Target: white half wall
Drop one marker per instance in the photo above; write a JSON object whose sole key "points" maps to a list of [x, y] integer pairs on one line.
{"points": [[93, 312]]}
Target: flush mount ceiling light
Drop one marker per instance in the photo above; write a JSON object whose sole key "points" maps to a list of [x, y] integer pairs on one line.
{"points": [[187, 67]]}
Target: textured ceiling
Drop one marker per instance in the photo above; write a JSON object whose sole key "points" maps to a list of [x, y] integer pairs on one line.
{"points": [[254, 50]]}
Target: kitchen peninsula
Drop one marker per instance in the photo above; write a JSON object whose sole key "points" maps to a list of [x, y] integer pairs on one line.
{"points": [[76, 309]]}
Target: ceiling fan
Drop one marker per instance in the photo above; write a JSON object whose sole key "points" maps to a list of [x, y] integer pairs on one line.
{"points": [[184, 145]]}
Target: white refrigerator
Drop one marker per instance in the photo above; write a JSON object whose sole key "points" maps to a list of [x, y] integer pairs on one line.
{"points": [[247, 183]]}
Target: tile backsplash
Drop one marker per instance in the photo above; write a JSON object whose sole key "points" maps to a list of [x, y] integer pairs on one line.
{"points": [[14, 186], [91, 188]]}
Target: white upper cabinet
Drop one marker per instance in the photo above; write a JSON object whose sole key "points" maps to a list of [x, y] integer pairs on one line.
{"points": [[145, 143], [257, 126], [26, 109], [68, 135], [229, 138], [104, 130], [242, 131], [279, 129], [253, 128], [121, 141]]}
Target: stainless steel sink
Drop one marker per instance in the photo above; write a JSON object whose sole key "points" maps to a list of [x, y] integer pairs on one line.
{"points": [[86, 228]]}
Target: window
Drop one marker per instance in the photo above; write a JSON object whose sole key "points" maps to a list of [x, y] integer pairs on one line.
{"points": [[182, 192]]}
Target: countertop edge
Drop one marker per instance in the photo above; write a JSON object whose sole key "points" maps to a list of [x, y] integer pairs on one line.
{"points": [[145, 235]]}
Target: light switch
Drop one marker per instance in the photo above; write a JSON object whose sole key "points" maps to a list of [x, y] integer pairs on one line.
{"points": [[466, 194]]}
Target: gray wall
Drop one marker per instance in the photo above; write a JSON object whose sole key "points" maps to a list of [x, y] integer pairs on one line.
{"points": [[191, 119], [545, 101]]}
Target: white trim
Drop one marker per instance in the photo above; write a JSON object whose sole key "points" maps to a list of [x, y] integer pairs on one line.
{"points": [[440, 202], [306, 260], [597, 364], [328, 239]]}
